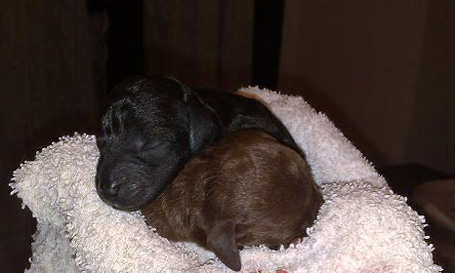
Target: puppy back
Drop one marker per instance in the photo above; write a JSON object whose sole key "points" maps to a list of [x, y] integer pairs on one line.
{"points": [[263, 186], [248, 189]]}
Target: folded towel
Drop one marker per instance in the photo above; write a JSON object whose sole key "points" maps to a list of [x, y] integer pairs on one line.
{"points": [[362, 227]]}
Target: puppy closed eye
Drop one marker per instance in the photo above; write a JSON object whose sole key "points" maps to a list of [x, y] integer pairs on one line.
{"points": [[155, 148]]}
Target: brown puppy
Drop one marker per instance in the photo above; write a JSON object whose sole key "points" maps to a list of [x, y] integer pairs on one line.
{"points": [[247, 190]]}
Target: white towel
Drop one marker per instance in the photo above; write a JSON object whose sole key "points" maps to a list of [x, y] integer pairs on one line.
{"points": [[362, 227]]}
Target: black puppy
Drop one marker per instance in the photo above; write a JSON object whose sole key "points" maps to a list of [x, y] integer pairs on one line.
{"points": [[153, 127]]}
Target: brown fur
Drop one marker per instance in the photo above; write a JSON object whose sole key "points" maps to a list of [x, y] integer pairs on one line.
{"points": [[247, 190]]}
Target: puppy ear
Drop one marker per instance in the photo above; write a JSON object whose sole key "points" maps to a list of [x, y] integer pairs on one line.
{"points": [[221, 240], [204, 125]]}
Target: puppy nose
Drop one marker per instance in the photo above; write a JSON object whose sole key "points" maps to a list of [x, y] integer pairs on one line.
{"points": [[111, 190]]}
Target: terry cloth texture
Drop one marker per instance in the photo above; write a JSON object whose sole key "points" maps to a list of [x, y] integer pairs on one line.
{"points": [[362, 227]]}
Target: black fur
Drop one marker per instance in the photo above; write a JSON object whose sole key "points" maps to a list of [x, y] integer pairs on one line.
{"points": [[154, 125]]}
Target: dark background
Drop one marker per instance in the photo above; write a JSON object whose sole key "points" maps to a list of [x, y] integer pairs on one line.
{"points": [[384, 71]]}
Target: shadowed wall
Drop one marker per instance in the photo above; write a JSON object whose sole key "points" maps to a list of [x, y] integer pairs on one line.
{"points": [[382, 70], [50, 86]]}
